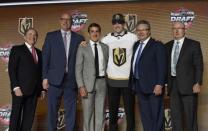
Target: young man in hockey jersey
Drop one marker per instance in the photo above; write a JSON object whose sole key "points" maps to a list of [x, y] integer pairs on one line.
{"points": [[120, 43]]}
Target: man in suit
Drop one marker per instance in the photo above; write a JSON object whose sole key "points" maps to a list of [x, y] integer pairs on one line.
{"points": [[148, 72], [59, 56], [185, 69], [25, 64], [91, 65]]}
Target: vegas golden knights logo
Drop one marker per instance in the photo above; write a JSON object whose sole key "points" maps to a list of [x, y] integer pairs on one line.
{"points": [[119, 56], [24, 24]]}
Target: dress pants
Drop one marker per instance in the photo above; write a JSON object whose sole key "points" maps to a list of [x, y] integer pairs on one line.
{"points": [[23, 112], [114, 94], [151, 110], [93, 107], [183, 109], [55, 94]]}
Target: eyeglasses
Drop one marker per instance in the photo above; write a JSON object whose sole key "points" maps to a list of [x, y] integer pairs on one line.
{"points": [[178, 28], [142, 30], [66, 19]]}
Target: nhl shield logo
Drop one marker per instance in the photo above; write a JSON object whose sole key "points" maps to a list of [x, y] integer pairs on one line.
{"points": [[24, 24], [131, 21], [119, 56]]}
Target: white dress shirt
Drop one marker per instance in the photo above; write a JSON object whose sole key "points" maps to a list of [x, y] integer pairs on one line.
{"points": [[136, 53], [100, 56], [173, 50]]}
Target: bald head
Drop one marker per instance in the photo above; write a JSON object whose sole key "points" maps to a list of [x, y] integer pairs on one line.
{"points": [[65, 22], [178, 29]]}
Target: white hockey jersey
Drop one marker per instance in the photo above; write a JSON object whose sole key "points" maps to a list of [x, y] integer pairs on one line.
{"points": [[120, 53]]}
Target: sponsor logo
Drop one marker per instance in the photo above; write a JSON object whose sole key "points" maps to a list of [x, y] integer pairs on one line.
{"points": [[61, 120], [168, 123], [78, 21], [131, 21], [183, 15], [4, 53], [121, 114], [119, 56], [24, 24], [5, 112]]}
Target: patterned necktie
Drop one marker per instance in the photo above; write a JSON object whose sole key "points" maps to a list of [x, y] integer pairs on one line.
{"points": [[34, 55], [65, 45], [96, 60], [136, 67], [65, 41], [175, 58]]}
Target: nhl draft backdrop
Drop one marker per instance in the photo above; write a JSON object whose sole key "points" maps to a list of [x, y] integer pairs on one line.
{"points": [[14, 20]]}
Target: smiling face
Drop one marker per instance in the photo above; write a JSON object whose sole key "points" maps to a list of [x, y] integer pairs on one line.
{"points": [[178, 30], [118, 28], [143, 32], [31, 37], [65, 22], [94, 33]]}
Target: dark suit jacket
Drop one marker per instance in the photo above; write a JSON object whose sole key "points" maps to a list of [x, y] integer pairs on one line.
{"points": [[23, 71], [189, 68], [152, 66], [54, 57]]}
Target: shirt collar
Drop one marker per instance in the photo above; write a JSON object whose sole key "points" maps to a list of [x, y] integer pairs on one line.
{"points": [[145, 42], [180, 41], [28, 45], [119, 34], [93, 42], [68, 32]]}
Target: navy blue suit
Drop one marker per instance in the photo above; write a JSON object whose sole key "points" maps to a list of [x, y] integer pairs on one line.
{"points": [[152, 71], [60, 82]]}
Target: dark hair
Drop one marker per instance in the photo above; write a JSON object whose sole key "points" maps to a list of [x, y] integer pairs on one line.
{"points": [[31, 29], [94, 25], [145, 22], [118, 18]]}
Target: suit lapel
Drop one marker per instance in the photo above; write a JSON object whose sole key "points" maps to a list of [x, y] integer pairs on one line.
{"points": [[104, 54], [146, 47], [89, 50], [72, 44], [61, 41], [27, 51], [183, 48], [29, 54], [170, 49]]}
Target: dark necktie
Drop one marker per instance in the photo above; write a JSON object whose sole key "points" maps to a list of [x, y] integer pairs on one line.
{"points": [[34, 55], [96, 60], [136, 66]]}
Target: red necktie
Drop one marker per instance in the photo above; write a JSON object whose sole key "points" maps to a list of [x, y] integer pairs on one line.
{"points": [[34, 55]]}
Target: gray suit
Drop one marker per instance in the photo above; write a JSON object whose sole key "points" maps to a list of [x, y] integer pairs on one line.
{"points": [[93, 104]]}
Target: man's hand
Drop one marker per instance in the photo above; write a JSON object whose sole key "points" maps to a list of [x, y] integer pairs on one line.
{"points": [[42, 95], [157, 90], [45, 84], [196, 88], [83, 91], [83, 43], [18, 91]]}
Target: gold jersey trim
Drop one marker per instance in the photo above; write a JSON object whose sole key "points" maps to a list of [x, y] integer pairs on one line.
{"points": [[116, 78]]}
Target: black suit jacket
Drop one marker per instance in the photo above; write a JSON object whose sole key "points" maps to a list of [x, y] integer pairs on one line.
{"points": [[23, 71], [189, 68]]}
